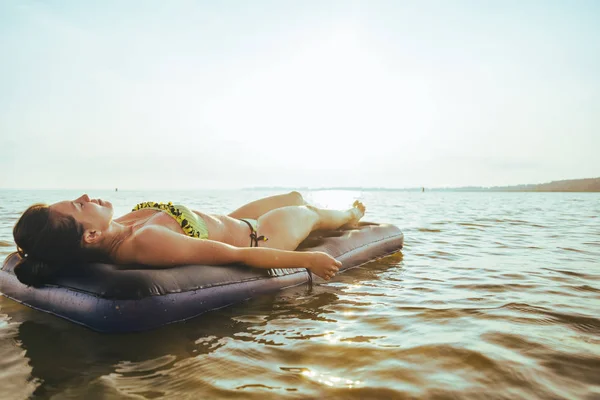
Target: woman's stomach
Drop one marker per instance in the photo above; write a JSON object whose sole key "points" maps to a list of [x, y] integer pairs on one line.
{"points": [[222, 228]]}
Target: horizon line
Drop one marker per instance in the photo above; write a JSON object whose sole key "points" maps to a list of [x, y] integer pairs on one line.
{"points": [[366, 188]]}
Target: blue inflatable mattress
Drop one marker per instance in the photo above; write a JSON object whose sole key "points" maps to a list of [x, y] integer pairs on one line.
{"points": [[117, 298]]}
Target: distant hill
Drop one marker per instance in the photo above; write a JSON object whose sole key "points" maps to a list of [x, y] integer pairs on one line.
{"points": [[571, 185]]}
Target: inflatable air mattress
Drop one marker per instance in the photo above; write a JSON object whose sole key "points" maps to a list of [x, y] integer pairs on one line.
{"points": [[116, 298]]}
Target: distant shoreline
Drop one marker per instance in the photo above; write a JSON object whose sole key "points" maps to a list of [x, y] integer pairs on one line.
{"points": [[570, 185]]}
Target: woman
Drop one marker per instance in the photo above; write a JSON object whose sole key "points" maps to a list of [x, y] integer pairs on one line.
{"points": [[261, 234]]}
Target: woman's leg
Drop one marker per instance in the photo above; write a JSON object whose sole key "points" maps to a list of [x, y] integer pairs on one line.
{"points": [[287, 227], [262, 206]]}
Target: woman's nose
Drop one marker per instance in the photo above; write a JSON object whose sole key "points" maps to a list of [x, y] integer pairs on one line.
{"points": [[84, 197]]}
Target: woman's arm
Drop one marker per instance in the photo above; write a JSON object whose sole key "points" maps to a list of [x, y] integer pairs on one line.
{"points": [[158, 246]]}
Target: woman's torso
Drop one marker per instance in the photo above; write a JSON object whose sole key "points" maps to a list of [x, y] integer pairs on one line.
{"points": [[221, 228]]}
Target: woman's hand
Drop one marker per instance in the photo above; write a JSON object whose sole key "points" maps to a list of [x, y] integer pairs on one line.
{"points": [[322, 264]]}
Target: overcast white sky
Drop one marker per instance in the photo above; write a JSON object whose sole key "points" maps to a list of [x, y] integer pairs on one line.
{"points": [[195, 94]]}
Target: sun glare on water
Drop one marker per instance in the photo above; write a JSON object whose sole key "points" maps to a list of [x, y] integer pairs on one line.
{"points": [[333, 199], [325, 379]]}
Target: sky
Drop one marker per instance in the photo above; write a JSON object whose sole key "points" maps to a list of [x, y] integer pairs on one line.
{"points": [[232, 94]]}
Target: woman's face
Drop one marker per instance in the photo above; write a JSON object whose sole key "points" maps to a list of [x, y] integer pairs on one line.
{"points": [[91, 213]]}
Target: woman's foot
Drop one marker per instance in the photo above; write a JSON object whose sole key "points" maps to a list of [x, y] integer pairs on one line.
{"points": [[358, 211]]}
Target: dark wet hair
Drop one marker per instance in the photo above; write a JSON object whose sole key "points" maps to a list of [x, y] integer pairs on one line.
{"points": [[48, 242]]}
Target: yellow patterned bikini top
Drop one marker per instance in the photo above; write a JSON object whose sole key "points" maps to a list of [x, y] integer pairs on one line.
{"points": [[192, 224]]}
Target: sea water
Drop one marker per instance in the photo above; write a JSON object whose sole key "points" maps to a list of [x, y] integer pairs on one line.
{"points": [[495, 295]]}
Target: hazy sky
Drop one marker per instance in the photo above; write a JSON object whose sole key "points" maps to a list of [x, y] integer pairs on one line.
{"points": [[195, 94]]}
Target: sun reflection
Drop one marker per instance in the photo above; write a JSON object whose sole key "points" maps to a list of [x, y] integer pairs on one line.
{"points": [[334, 199], [331, 338], [330, 380]]}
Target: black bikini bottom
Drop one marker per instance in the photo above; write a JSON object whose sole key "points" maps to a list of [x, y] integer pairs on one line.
{"points": [[254, 238]]}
